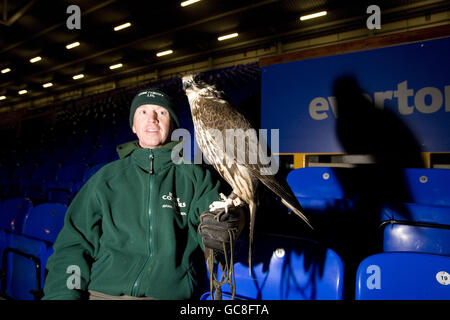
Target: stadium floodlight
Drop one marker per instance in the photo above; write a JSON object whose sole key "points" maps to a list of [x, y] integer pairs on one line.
{"points": [[6, 70], [35, 59], [313, 15], [122, 26], [116, 66], [228, 36], [72, 45], [23, 92], [78, 76], [188, 2], [2, 97], [47, 85], [164, 53]]}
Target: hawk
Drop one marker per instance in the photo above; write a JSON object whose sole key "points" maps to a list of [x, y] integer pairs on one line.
{"points": [[214, 121]]}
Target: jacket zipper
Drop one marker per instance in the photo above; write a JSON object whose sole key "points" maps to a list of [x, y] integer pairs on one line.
{"points": [[141, 273]]}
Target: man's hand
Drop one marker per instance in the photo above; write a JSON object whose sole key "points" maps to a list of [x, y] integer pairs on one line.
{"points": [[219, 229]]}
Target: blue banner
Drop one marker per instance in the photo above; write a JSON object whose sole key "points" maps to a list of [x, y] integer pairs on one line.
{"points": [[411, 80]]}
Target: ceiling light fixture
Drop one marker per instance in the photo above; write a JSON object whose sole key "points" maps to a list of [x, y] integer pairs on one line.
{"points": [[78, 76], [35, 59], [115, 66], [164, 53], [122, 26], [313, 15], [6, 70], [23, 92], [188, 2], [2, 97], [72, 45], [48, 84], [228, 36]]}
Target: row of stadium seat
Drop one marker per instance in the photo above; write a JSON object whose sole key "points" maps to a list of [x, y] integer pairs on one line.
{"points": [[412, 262], [420, 235], [27, 234], [48, 182], [300, 269], [282, 261]]}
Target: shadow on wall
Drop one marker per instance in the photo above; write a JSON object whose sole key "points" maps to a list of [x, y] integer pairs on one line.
{"points": [[366, 129]]}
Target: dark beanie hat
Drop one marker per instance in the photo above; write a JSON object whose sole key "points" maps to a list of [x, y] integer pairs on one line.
{"points": [[153, 96]]}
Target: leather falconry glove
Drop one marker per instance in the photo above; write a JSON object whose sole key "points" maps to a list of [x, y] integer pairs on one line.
{"points": [[219, 229]]}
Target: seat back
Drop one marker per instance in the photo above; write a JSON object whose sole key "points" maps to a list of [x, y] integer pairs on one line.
{"points": [[412, 212], [428, 186], [13, 212], [45, 172], [36, 187], [27, 253], [45, 221], [288, 268], [403, 276], [316, 182], [68, 181], [71, 172], [92, 170], [414, 238], [416, 228], [25, 266]]}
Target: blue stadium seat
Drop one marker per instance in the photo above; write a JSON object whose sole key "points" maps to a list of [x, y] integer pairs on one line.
{"points": [[13, 212], [428, 186], [12, 215], [20, 174], [68, 182], [403, 276], [413, 238], [26, 254], [319, 190], [287, 268], [416, 228], [413, 212], [92, 170], [316, 182], [36, 187], [44, 221]]}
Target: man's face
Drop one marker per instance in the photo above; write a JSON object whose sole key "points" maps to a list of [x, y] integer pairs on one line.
{"points": [[151, 124]]}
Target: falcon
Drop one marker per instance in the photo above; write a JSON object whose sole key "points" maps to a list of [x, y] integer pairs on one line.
{"points": [[242, 167]]}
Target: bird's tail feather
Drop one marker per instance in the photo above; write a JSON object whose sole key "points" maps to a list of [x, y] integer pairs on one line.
{"points": [[283, 190], [297, 212], [252, 208]]}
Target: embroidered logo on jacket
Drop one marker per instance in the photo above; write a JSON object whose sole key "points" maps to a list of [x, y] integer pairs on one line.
{"points": [[175, 203]]}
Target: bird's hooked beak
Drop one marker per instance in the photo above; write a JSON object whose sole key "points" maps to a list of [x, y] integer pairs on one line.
{"points": [[188, 82]]}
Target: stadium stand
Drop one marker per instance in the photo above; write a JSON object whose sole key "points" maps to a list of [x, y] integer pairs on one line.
{"points": [[84, 134]]}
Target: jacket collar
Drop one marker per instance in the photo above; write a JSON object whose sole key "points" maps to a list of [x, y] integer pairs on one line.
{"points": [[141, 156]]}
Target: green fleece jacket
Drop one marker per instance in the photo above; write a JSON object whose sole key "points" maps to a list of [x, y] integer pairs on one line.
{"points": [[132, 229]]}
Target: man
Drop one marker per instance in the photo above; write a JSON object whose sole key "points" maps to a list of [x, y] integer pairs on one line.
{"points": [[131, 231]]}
